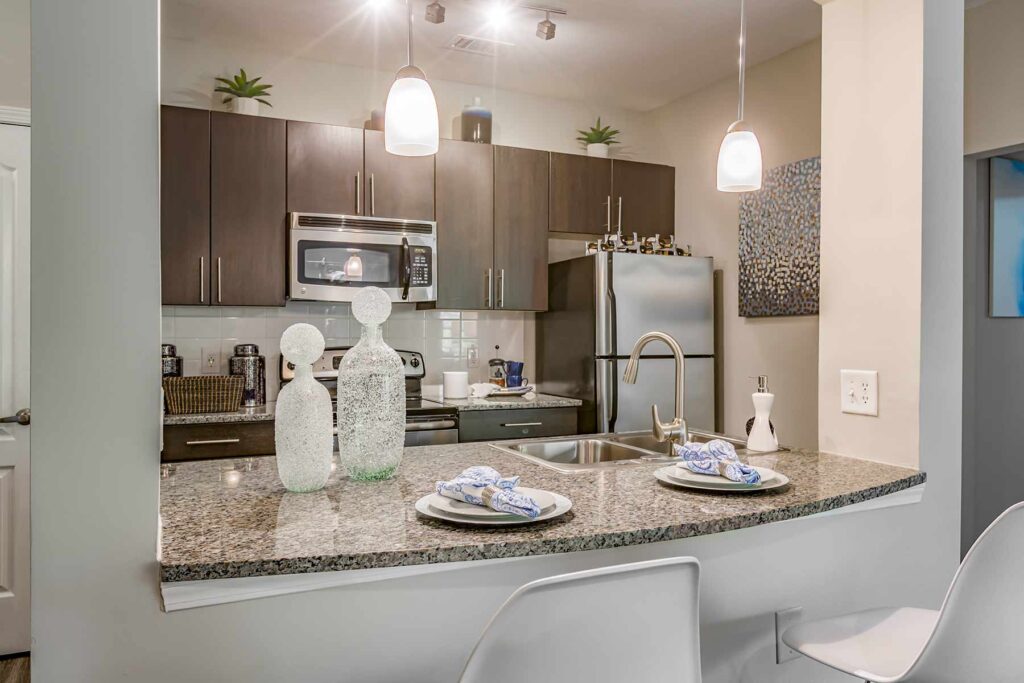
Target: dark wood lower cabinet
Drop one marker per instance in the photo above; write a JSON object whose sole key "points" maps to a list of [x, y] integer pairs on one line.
{"points": [[247, 210], [520, 229], [214, 441], [494, 425]]}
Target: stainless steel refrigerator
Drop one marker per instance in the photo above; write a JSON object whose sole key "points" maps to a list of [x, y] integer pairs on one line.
{"points": [[598, 306]]}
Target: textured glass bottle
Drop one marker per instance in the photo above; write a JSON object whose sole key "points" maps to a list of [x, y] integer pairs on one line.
{"points": [[371, 396], [302, 419]]}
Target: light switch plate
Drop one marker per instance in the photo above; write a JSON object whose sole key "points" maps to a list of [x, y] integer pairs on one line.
{"points": [[783, 620], [859, 391], [209, 361]]}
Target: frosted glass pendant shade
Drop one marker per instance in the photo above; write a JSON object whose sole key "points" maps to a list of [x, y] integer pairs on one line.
{"points": [[410, 116], [739, 161]]}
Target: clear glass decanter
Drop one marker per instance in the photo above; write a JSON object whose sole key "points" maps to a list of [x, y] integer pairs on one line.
{"points": [[371, 396]]}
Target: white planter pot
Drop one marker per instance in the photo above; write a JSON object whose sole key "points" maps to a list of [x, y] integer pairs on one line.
{"points": [[597, 149], [245, 105]]}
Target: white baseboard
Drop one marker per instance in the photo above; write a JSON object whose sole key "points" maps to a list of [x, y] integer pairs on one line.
{"points": [[16, 116]]}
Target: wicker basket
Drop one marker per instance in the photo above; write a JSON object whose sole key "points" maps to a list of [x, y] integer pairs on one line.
{"points": [[203, 394]]}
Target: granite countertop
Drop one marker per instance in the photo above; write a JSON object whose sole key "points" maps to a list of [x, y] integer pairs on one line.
{"points": [[224, 519], [511, 402], [265, 413]]}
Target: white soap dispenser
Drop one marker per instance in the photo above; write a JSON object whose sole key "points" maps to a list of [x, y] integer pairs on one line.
{"points": [[762, 437]]}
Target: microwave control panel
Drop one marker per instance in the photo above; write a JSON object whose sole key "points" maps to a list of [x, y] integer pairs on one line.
{"points": [[420, 258]]}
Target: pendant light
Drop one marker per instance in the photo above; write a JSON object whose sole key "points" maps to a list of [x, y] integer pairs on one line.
{"points": [[739, 158], [410, 115]]}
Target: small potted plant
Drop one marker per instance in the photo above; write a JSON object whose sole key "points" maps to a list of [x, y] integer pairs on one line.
{"points": [[598, 139], [244, 95]]}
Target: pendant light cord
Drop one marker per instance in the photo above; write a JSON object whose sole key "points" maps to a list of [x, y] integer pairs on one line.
{"points": [[743, 56], [409, 11]]}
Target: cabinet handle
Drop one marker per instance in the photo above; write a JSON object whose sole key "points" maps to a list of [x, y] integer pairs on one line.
{"points": [[202, 279], [359, 193], [487, 288], [373, 197], [608, 214], [522, 424], [620, 215], [211, 442], [501, 288], [219, 293]]}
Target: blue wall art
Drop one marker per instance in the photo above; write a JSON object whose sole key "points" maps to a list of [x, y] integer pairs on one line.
{"points": [[780, 234], [1006, 289]]}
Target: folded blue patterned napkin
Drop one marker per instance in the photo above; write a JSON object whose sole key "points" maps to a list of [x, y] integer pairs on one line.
{"points": [[716, 457], [484, 486]]}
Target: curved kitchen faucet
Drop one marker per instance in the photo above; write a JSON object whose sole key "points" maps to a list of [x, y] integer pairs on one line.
{"points": [[674, 431]]}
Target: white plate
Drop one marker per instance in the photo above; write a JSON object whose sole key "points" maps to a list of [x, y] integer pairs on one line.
{"points": [[668, 475], [562, 505], [544, 499], [684, 473], [514, 391]]}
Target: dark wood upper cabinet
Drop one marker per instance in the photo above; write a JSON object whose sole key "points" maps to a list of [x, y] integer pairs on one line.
{"points": [[184, 206], [521, 228], [580, 193], [325, 168], [465, 224], [396, 187], [247, 210], [644, 198]]}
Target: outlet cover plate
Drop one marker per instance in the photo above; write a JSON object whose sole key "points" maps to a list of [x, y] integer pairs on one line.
{"points": [[783, 620], [209, 361], [859, 389]]}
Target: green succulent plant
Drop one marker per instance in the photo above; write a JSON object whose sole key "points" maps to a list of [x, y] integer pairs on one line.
{"points": [[598, 135], [241, 86]]}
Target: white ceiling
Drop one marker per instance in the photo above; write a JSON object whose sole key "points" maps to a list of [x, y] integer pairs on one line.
{"points": [[637, 54]]}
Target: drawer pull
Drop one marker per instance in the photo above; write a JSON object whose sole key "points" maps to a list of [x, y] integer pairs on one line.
{"points": [[211, 442], [522, 424]]}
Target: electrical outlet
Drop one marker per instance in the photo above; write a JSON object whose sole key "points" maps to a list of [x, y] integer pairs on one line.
{"points": [[209, 361], [473, 356], [859, 391], [783, 620]]}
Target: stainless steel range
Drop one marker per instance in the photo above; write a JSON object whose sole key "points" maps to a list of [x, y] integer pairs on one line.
{"points": [[427, 422]]}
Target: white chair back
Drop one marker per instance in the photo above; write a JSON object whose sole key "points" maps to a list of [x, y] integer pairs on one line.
{"points": [[981, 625], [636, 622]]}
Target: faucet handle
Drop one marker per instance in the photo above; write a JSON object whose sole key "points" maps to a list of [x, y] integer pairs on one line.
{"points": [[674, 431]]}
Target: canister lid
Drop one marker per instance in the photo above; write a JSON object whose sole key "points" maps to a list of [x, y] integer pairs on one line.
{"points": [[168, 350], [247, 350]]}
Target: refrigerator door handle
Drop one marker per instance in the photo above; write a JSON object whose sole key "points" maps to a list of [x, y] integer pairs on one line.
{"points": [[607, 394]]}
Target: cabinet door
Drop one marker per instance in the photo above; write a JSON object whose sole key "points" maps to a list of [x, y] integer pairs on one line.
{"points": [[645, 198], [521, 229], [580, 191], [396, 187], [247, 218], [325, 167], [465, 224], [184, 206]]}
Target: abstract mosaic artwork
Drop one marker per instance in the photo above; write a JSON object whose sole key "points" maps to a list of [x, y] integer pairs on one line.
{"points": [[1006, 288], [780, 230]]}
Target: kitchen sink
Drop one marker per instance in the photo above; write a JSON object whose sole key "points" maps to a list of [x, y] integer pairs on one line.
{"points": [[600, 451]]}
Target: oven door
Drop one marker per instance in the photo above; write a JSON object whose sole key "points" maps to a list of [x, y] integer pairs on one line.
{"points": [[335, 265], [431, 431]]}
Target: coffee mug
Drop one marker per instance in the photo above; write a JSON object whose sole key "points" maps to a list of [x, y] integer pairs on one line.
{"points": [[514, 368], [516, 381]]}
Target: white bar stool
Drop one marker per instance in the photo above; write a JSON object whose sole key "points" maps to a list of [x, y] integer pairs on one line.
{"points": [[975, 636], [584, 627]]}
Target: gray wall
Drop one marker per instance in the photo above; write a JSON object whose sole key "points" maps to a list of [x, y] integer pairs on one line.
{"points": [[993, 460]]}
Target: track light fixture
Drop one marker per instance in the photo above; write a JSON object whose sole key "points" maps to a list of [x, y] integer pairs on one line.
{"points": [[546, 28], [435, 13]]}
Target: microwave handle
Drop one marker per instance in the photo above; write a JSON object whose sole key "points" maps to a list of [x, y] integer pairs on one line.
{"points": [[406, 276]]}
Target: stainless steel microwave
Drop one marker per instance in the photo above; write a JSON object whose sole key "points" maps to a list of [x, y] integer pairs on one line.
{"points": [[332, 256]]}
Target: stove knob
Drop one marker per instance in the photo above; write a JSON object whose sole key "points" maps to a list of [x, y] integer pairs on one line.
{"points": [[414, 362]]}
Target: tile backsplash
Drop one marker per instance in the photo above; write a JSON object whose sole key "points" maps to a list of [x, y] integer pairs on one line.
{"points": [[443, 337]]}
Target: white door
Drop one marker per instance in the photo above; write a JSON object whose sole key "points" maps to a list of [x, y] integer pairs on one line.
{"points": [[14, 388]]}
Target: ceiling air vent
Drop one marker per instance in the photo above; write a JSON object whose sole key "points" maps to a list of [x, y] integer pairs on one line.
{"points": [[477, 46]]}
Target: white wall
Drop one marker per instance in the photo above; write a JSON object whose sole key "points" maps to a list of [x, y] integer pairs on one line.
{"points": [[994, 94], [14, 54], [310, 90], [783, 105], [871, 223]]}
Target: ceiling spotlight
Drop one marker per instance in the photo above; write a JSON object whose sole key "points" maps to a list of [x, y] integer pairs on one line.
{"points": [[435, 13], [546, 28], [376, 5], [497, 13]]}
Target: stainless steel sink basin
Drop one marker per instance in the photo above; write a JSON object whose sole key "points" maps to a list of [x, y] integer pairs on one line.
{"points": [[599, 451]]}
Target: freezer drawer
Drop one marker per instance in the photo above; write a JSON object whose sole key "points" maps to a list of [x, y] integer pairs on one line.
{"points": [[656, 385]]}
